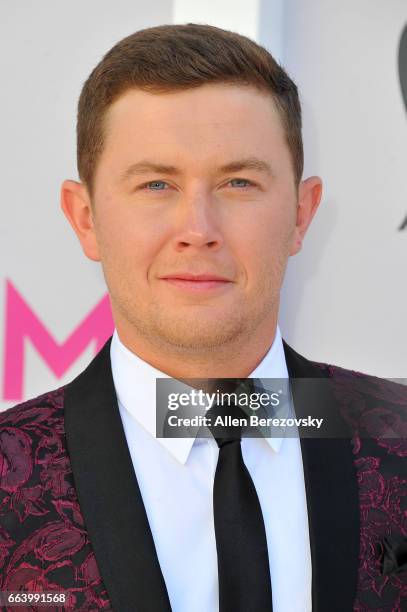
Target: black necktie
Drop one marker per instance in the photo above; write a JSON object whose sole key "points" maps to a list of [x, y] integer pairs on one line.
{"points": [[243, 564]]}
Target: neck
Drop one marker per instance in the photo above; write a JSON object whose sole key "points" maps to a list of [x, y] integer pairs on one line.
{"points": [[236, 359]]}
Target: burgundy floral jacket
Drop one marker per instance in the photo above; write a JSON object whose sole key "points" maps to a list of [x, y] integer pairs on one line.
{"points": [[72, 518]]}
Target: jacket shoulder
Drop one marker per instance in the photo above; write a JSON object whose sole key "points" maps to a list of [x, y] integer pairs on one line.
{"points": [[348, 383], [393, 391], [375, 408], [35, 409]]}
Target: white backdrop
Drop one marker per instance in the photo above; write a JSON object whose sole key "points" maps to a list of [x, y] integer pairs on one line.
{"points": [[47, 50], [344, 299]]}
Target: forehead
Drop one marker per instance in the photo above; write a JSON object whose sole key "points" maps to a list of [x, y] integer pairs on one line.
{"points": [[208, 106], [205, 124]]}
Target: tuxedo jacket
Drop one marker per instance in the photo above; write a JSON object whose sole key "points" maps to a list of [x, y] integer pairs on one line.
{"points": [[72, 517]]}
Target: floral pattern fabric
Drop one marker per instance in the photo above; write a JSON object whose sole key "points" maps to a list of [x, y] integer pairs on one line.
{"points": [[44, 545], [376, 411]]}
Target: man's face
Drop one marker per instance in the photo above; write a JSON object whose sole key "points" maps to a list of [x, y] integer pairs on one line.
{"points": [[198, 182]]}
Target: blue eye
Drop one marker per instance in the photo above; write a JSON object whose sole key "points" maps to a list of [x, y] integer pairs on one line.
{"points": [[156, 185], [241, 181]]}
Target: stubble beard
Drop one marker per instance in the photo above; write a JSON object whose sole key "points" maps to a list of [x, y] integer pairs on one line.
{"points": [[193, 333]]}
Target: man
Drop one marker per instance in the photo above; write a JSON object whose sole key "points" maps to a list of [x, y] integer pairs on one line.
{"points": [[191, 196]]}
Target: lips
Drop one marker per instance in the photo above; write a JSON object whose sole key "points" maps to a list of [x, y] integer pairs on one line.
{"points": [[196, 282], [195, 277]]}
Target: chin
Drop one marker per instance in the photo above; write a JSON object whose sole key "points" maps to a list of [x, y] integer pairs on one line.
{"points": [[199, 334]]}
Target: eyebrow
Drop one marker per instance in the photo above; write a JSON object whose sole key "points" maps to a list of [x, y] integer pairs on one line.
{"points": [[250, 163]]}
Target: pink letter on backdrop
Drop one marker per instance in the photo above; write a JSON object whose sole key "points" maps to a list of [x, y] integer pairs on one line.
{"points": [[21, 323]]}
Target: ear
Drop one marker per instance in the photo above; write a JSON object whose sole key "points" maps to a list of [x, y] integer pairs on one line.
{"points": [[309, 197], [76, 205]]}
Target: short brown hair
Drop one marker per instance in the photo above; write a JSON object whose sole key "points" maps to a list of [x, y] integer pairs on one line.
{"points": [[177, 57]]}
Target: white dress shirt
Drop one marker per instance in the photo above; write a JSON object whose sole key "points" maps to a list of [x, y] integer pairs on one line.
{"points": [[176, 476]]}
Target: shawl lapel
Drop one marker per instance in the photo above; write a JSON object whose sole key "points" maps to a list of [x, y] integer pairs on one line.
{"points": [[108, 492], [332, 498]]}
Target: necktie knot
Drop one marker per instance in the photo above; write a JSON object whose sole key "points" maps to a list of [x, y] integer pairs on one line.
{"points": [[227, 419], [226, 424], [221, 442]]}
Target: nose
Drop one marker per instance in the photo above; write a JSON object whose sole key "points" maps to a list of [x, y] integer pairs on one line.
{"points": [[197, 223]]}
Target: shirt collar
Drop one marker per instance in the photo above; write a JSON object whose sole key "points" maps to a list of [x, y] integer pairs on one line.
{"points": [[135, 383]]}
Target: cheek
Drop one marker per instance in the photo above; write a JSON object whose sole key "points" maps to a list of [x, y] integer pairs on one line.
{"points": [[263, 249], [266, 235], [129, 247]]}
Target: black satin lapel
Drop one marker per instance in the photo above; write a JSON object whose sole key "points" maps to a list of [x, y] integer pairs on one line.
{"points": [[108, 492], [332, 501]]}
